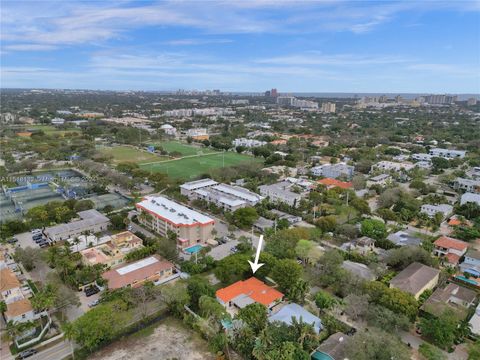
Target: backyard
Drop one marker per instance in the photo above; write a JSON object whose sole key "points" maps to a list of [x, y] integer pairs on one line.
{"points": [[191, 167], [169, 339]]}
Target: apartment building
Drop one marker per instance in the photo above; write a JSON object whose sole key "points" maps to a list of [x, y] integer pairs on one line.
{"points": [[113, 252], [447, 153], [248, 143], [467, 185], [161, 215], [90, 221], [432, 210], [392, 166], [333, 170], [227, 197], [153, 268], [284, 192]]}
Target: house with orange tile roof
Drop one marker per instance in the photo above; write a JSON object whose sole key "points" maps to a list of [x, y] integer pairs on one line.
{"points": [[245, 292], [450, 249], [332, 183]]}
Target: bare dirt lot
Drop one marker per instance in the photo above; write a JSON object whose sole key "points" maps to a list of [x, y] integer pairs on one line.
{"points": [[167, 340]]}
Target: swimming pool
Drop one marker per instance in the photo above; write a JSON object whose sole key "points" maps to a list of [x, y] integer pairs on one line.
{"points": [[193, 249]]}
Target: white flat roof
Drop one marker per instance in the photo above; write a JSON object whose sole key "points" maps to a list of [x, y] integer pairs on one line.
{"points": [[172, 211], [238, 192], [137, 265], [198, 184]]}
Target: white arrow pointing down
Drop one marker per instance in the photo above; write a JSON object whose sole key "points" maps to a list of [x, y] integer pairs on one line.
{"points": [[255, 265]]}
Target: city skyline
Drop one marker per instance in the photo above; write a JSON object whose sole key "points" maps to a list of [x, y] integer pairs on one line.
{"points": [[331, 46]]}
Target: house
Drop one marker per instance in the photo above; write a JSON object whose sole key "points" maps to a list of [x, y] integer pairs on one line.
{"points": [[113, 252], [405, 238], [454, 296], [475, 322], [447, 154], [432, 210], [470, 197], [363, 245], [19, 307], [280, 215], [163, 215], [169, 129], [359, 269], [153, 268], [471, 263], [333, 348], [262, 224], [379, 180], [283, 192], [422, 157], [246, 292], [333, 170], [415, 279], [91, 221], [450, 249], [332, 183], [294, 311], [467, 185]]}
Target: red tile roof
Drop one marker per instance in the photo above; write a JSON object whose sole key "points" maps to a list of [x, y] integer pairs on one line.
{"points": [[329, 182], [254, 288], [450, 243], [452, 258], [136, 272]]}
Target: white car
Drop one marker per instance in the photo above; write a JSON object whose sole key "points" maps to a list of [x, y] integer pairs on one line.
{"points": [[94, 303]]}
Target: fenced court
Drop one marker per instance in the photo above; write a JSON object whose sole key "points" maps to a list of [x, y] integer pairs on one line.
{"points": [[191, 167], [117, 201]]}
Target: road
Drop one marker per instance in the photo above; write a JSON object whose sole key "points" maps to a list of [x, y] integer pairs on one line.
{"points": [[56, 352]]}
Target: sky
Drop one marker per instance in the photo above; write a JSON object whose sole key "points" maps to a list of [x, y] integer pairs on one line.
{"points": [[295, 46]]}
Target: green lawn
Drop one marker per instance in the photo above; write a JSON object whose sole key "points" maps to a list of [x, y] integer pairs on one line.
{"points": [[127, 153], [190, 168], [50, 129], [184, 149]]}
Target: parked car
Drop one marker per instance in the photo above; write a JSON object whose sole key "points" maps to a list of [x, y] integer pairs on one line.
{"points": [[93, 303], [233, 249], [12, 240], [27, 353], [91, 290], [36, 231]]}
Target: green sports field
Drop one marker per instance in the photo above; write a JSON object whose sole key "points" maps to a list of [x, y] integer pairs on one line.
{"points": [[190, 168], [126, 153], [183, 149]]}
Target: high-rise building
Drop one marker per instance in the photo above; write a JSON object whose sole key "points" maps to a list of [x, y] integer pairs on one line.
{"points": [[328, 107], [273, 93], [472, 102]]}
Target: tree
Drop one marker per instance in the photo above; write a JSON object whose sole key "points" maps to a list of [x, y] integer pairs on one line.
{"points": [[324, 300], [431, 352], [28, 257], [376, 344], [474, 351], [244, 217], [327, 223], [440, 330], [286, 273], [175, 297], [387, 320], [356, 306], [100, 324], [233, 268], [359, 182], [400, 258], [393, 299], [197, 287], [211, 308], [303, 249], [255, 316], [374, 229]]}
